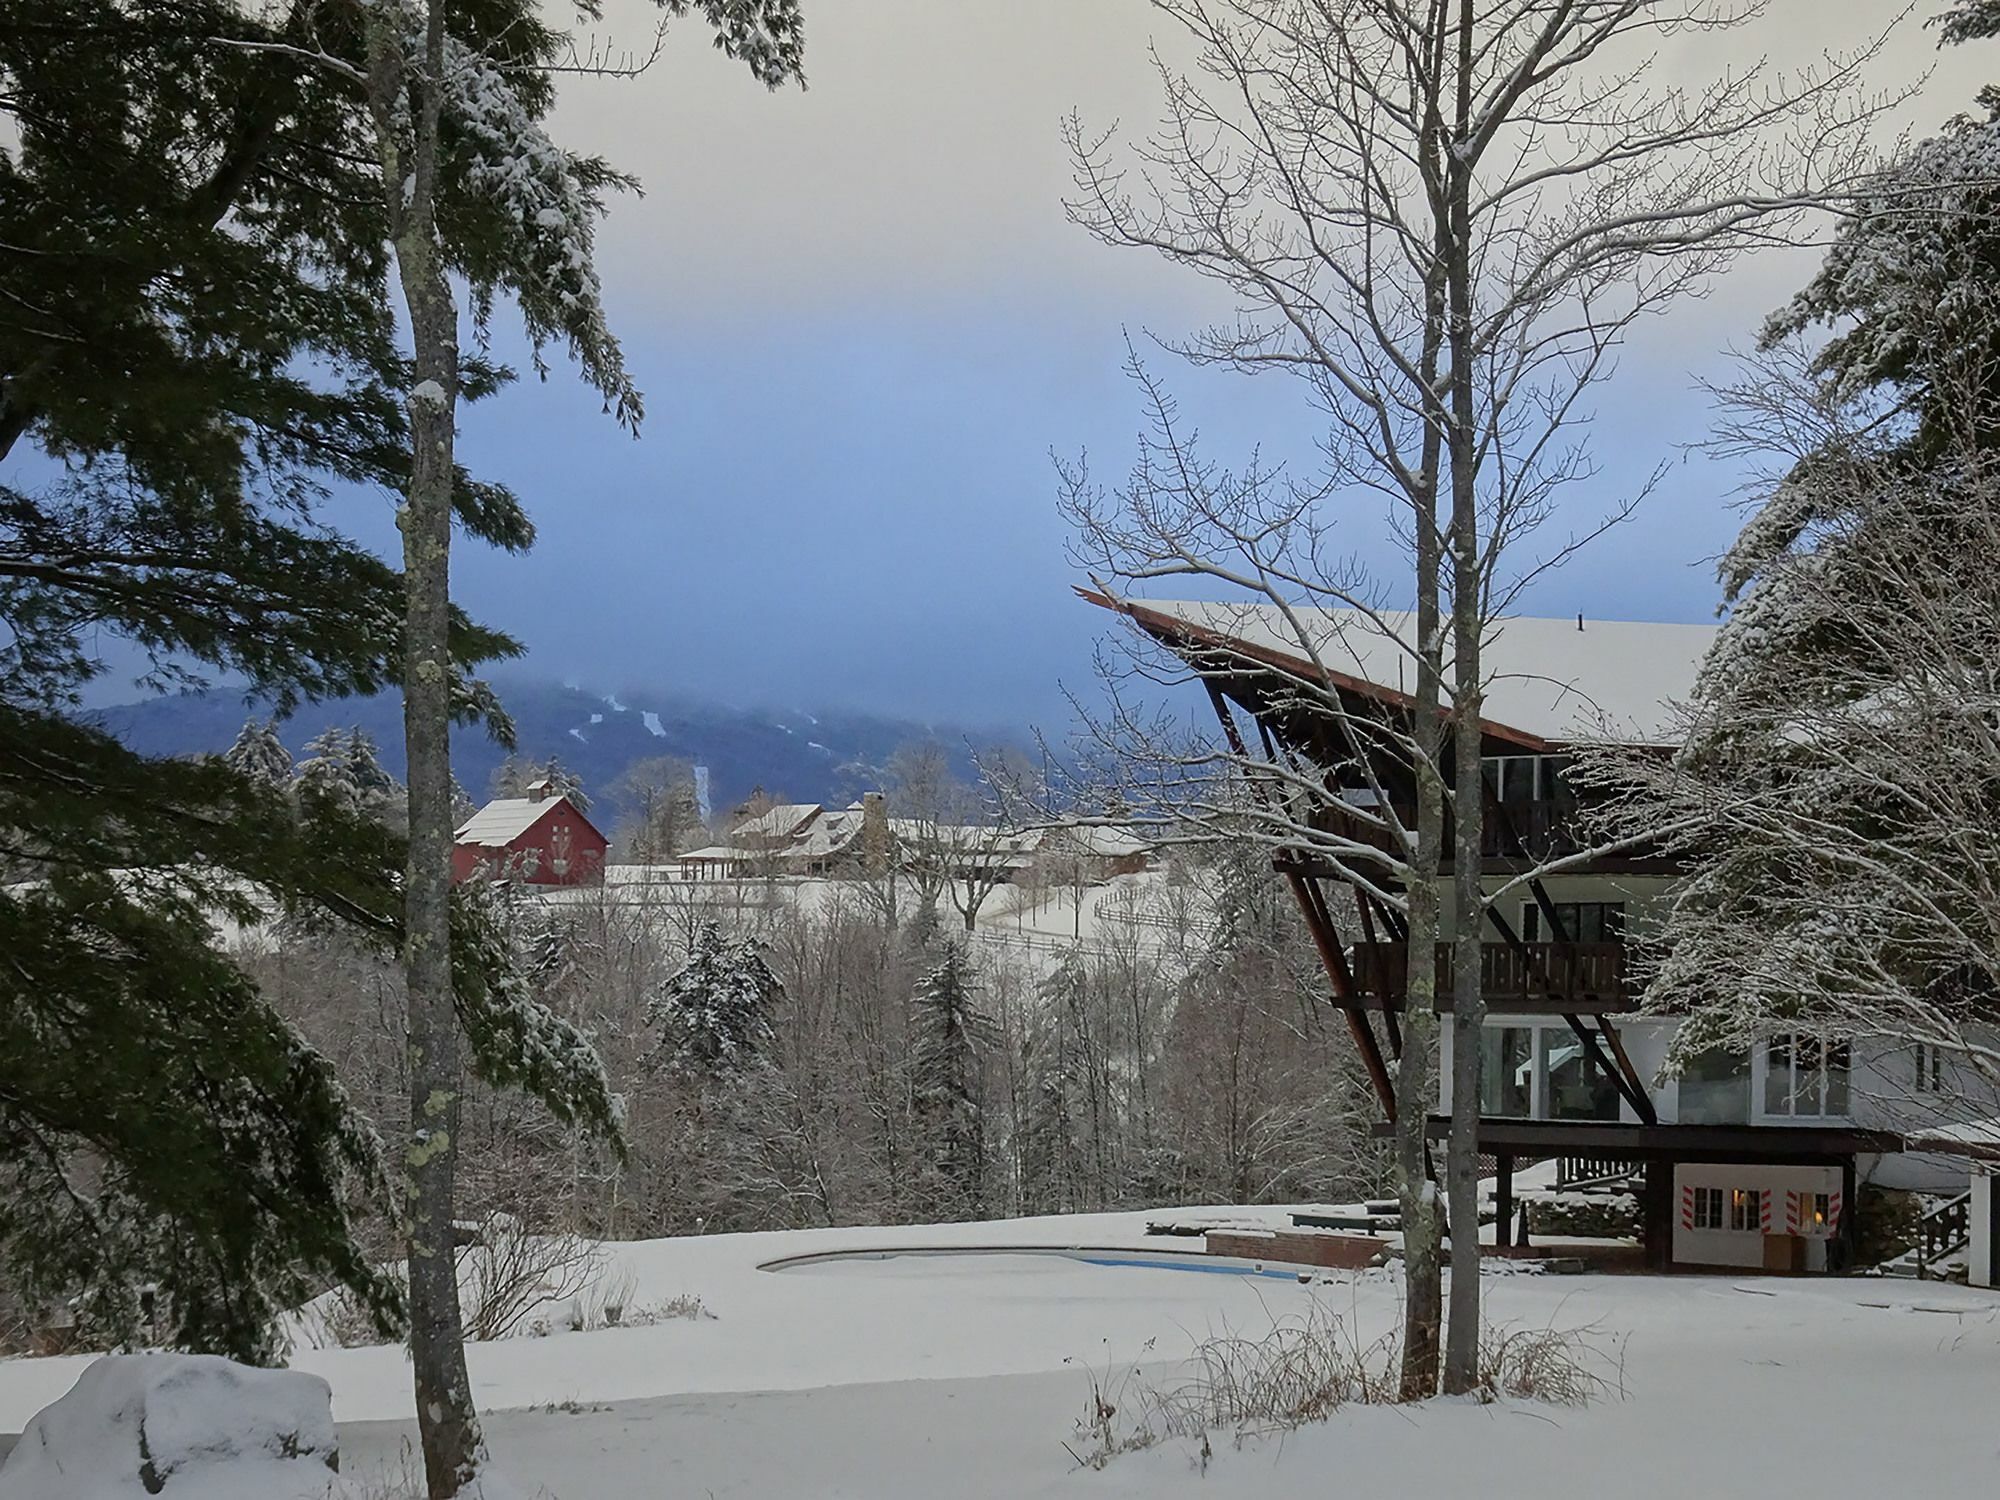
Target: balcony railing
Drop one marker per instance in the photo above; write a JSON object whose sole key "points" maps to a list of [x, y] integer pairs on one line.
{"points": [[1580, 977]]}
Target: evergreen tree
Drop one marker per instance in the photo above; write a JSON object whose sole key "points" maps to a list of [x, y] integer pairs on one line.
{"points": [[1049, 1152], [341, 766], [945, 1087], [510, 778], [326, 773], [259, 754], [563, 782], [713, 1016], [191, 203], [1839, 782], [462, 805], [375, 787]]}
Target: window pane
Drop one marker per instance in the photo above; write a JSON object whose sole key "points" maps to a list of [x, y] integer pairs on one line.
{"points": [[1715, 1089], [1746, 1209], [1807, 1074], [1507, 1071], [1778, 1076], [1577, 1089], [1838, 1061]]}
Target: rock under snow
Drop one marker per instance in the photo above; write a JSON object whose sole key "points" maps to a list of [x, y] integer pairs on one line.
{"points": [[182, 1426]]}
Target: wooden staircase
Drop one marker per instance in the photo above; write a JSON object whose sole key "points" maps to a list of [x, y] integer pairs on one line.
{"points": [[1944, 1231]]}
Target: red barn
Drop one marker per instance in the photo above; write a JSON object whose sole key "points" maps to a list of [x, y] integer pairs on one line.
{"points": [[540, 839]]}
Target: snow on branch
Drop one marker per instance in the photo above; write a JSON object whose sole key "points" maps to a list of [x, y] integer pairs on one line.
{"points": [[545, 204]]}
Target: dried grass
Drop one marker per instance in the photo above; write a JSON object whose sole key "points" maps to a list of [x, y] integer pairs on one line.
{"points": [[1308, 1366]]}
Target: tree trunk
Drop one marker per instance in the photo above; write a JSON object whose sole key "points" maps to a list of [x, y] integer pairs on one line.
{"points": [[447, 1424], [1416, 1074], [1461, 1358]]}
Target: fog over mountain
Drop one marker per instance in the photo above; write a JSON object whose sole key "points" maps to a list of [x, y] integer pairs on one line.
{"points": [[826, 755]]}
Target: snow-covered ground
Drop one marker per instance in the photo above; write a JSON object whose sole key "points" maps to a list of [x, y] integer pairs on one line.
{"points": [[913, 1375]]}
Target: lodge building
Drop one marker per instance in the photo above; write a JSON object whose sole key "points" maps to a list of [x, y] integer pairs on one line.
{"points": [[1742, 1161]]}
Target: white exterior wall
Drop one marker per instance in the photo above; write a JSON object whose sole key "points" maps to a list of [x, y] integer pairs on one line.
{"points": [[1732, 1247], [1980, 1252], [1885, 1090]]}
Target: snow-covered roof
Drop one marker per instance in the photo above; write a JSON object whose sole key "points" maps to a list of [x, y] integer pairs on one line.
{"points": [[1104, 841], [830, 833], [717, 853], [505, 819], [1556, 681], [1979, 1139], [781, 821]]}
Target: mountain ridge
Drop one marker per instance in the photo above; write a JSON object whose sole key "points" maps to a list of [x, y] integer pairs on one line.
{"points": [[827, 755]]}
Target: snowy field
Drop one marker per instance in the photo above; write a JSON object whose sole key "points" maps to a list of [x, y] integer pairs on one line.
{"points": [[925, 1375]]}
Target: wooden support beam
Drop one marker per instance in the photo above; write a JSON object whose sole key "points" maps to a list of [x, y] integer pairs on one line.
{"points": [[1391, 1026], [1319, 924], [1503, 1201], [1656, 1214], [1848, 1236], [1636, 1097], [1642, 1101], [1623, 1075]]}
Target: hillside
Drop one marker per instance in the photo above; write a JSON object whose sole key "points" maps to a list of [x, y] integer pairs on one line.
{"points": [[826, 756]]}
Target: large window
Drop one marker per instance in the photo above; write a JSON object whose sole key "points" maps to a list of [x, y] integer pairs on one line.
{"points": [[1746, 1209], [1534, 802], [1806, 1076], [1708, 1208], [1582, 921], [1715, 1088], [1507, 1072], [1576, 1088], [1520, 779]]}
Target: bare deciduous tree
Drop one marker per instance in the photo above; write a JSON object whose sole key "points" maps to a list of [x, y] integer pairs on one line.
{"points": [[1444, 217]]}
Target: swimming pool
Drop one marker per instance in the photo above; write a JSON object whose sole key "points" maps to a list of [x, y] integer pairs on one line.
{"points": [[980, 1258]]}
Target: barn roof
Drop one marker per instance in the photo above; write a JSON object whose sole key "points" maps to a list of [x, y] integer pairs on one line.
{"points": [[505, 819], [1549, 681]]}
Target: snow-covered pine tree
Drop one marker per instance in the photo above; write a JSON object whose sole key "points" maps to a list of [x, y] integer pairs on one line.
{"points": [[364, 766], [1837, 798], [510, 778], [1078, 1056], [951, 1037], [712, 1017], [259, 753], [325, 772], [563, 782], [472, 186], [462, 805], [1048, 1155], [341, 765]]}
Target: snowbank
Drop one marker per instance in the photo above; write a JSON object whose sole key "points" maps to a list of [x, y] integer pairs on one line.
{"points": [[186, 1426]]}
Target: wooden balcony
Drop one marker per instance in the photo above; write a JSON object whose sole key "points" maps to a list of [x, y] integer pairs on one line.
{"points": [[1577, 978]]}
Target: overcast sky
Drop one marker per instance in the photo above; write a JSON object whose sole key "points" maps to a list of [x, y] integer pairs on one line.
{"points": [[862, 324]]}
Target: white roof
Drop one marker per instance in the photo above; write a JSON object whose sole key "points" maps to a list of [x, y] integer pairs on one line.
{"points": [[1104, 841], [780, 821], [829, 834], [503, 820], [1610, 680], [714, 853]]}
